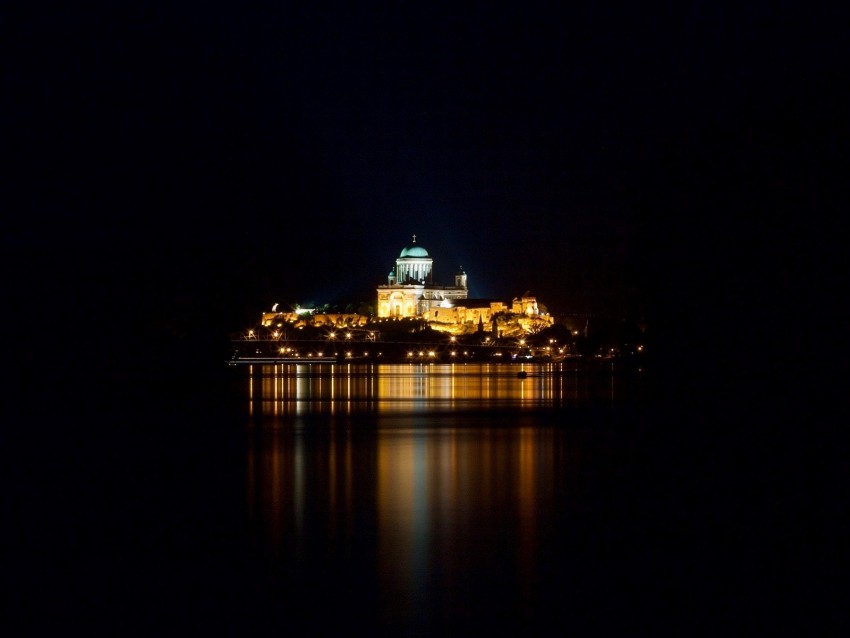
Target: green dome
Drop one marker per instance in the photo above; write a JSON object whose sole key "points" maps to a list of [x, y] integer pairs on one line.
{"points": [[414, 251]]}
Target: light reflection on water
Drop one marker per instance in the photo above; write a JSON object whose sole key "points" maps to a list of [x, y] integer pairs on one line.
{"points": [[298, 389], [434, 491]]}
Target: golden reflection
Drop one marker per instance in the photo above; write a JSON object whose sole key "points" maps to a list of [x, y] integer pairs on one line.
{"points": [[292, 389], [399, 497], [434, 493], [425, 491], [437, 496]]}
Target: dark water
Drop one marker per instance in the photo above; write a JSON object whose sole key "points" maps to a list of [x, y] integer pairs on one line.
{"points": [[439, 499], [412, 501]]}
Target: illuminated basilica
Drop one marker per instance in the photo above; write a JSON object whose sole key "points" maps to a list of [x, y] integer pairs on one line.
{"points": [[410, 291]]}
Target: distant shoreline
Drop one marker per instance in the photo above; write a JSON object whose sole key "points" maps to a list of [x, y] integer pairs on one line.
{"points": [[424, 360]]}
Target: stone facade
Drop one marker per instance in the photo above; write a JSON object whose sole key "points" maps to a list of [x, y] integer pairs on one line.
{"points": [[410, 290], [410, 293]]}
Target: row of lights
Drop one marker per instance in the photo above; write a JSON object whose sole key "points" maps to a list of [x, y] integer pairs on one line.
{"points": [[348, 354], [348, 335], [453, 339], [432, 353]]}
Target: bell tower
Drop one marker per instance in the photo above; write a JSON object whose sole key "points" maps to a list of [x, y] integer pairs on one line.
{"points": [[460, 279]]}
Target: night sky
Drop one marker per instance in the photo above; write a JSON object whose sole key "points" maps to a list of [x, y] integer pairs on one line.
{"points": [[186, 166]]}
